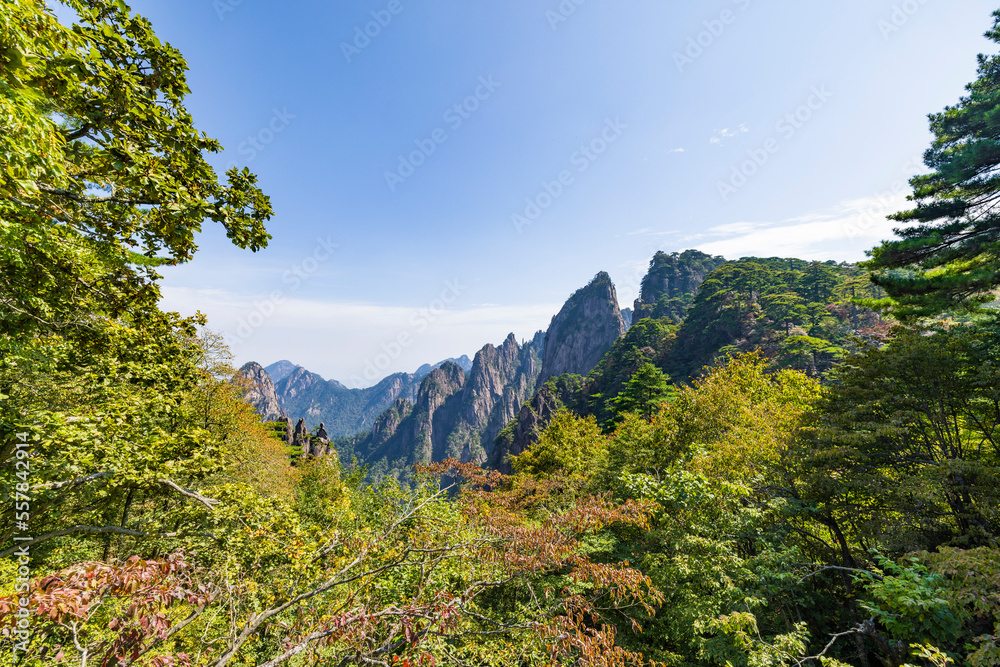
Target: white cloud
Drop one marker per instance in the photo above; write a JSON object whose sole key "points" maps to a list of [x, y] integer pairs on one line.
{"points": [[728, 133], [341, 340], [677, 150], [843, 232]]}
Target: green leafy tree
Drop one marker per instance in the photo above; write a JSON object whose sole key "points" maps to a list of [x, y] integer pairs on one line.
{"points": [[946, 256], [571, 448], [910, 431], [818, 283], [105, 174], [105, 177], [644, 393], [787, 309]]}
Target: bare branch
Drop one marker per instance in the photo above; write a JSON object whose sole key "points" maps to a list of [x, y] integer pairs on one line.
{"points": [[210, 503], [51, 486], [836, 567]]}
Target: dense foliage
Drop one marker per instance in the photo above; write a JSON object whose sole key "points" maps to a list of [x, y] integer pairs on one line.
{"points": [[818, 487], [149, 517]]}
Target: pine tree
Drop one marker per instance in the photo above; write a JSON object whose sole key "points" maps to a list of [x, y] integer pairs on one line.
{"points": [[948, 259], [644, 393]]}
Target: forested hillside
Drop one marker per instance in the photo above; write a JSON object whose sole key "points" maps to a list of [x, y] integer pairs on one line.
{"points": [[780, 463]]}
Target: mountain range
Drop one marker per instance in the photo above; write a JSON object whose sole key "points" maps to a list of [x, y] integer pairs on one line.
{"points": [[693, 309], [343, 411]]}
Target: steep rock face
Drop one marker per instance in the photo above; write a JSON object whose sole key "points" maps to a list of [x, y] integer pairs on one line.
{"points": [[584, 329], [344, 411], [669, 287], [421, 435], [501, 379], [262, 394], [627, 317], [388, 422], [667, 290], [532, 418], [455, 415]]}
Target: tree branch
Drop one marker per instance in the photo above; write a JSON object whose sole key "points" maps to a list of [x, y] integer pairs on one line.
{"points": [[210, 503], [88, 530], [52, 486]]}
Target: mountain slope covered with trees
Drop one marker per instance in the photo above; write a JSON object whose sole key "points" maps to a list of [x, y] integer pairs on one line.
{"points": [[786, 463]]}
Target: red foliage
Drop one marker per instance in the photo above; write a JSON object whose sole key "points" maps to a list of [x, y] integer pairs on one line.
{"points": [[131, 598]]}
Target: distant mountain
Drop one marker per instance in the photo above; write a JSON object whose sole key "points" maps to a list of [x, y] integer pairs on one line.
{"points": [[302, 394], [262, 395], [454, 414], [458, 413], [343, 411], [693, 310], [280, 370], [462, 362], [583, 330]]}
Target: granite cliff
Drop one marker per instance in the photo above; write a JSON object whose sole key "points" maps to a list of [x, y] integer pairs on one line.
{"points": [[261, 393], [583, 330], [454, 414], [669, 287]]}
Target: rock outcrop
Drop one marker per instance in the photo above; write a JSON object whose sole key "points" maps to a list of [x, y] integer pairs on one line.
{"points": [[670, 285], [463, 362], [455, 414], [344, 411], [627, 317], [261, 393], [584, 329]]}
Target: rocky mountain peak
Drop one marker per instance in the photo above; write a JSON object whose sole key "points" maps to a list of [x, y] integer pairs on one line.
{"points": [[261, 393], [455, 414], [671, 283], [279, 370], [585, 328], [439, 384]]}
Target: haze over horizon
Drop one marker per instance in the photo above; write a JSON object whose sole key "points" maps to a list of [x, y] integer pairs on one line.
{"points": [[491, 160]]}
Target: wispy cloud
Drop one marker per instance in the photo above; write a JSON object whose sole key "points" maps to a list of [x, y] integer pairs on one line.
{"points": [[843, 232], [335, 338], [677, 150], [728, 133]]}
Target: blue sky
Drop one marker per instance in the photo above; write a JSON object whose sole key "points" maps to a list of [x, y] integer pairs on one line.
{"points": [[587, 135]]}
